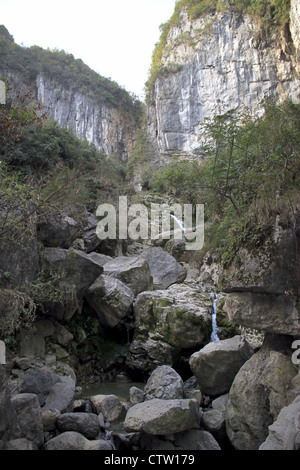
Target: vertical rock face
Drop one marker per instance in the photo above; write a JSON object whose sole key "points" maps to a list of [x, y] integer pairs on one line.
{"points": [[215, 65], [295, 25], [110, 129]]}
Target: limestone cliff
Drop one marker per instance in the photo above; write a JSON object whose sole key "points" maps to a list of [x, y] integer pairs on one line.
{"points": [[218, 64], [108, 127], [78, 98]]}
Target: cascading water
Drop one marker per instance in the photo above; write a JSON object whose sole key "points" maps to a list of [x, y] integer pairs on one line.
{"points": [[214, 335], [178, 221]]}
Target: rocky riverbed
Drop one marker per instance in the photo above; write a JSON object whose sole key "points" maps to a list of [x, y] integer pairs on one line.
{"points": [[154, 309]]}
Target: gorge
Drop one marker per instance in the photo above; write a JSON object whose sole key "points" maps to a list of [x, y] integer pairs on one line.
{"points": [[203, 339]]}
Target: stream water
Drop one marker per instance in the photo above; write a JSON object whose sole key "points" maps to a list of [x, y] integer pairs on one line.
{"points": [[214, 335], [120, 389]]}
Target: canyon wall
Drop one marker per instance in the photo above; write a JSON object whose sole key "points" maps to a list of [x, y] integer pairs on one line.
{"points": [[215, 65]]}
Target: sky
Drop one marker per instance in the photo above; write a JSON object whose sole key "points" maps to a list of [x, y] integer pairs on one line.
{"points": [[115, 38]]}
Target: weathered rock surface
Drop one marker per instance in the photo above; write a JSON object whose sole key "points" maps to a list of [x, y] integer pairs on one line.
{"points": [[132, 271], [271, 313], [84, 423], [196, 439], [29, 418], [284, 433], [72, 440], [61, 394], [161, 417], [211, 66], [111, 299], [165, 383], [164, 268], [110, 129], [75, 272], [216, 365], [110, 406], [167, 321], [8, 416], [258, 393], [57, 230]]}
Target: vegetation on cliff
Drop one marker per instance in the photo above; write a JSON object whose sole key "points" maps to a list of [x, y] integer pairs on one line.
{"points": [[71, 73], [269, 15], [249, 178], [44, 169]]}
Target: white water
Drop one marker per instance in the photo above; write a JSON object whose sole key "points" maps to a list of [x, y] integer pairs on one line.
{"points": [[214, 335], [179, 222]]}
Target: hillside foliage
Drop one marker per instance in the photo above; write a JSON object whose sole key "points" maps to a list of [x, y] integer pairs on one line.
{"points": [[60, 66], [249, 179]]}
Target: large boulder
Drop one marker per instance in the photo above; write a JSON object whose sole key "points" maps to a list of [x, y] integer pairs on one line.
{"points": [[164, 268], [53, 390], [161, 417], [8, 417], [284, 433], [72, 440], [195, 439], [29, 418], [39, 382], [84, 423], [167, 321], [258, 393], [132, 271], [57, 230], [271, 313], [272, 268], [61, 394], [72, 272], [164, 383], [216, 365], [109, 405], [111, 299]]}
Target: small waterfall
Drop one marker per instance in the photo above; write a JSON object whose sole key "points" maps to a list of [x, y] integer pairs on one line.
{"points": [[214, 335], [178, 221]]}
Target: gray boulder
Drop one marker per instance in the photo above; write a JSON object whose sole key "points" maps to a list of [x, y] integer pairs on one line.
{"points": [[74, 272], [216, 365], [61, 394], [164, 383], [272, 268], [273, 313], [132, 271], [8, 417], [258, 393], [39, 382], [164, 268], [162, 417], [57, 230], [111, 299], [20, 444], [110, 406], [29, 418], [84, 423], [195, 439], [167, 321], [284, 433], [136, 395], [72, 440]]}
